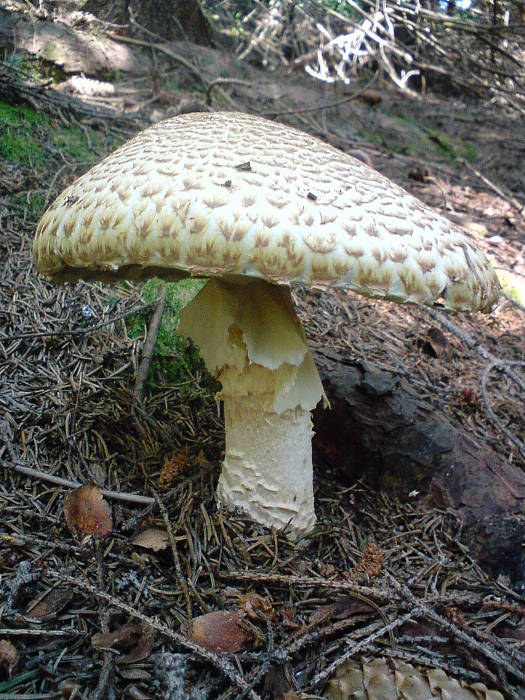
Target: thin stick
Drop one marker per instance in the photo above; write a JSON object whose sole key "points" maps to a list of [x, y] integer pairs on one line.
{"points": [[149, 347], [176, 560], [464, 638], [163, 49], [70, 484], [257, 577], [520, 208], [13, 632], [322, 106], [224, 81], [221, 664], [363, 644]]}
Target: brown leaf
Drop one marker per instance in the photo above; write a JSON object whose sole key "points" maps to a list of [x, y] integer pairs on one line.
{"points": [[9, 657], [345, 606], [53, 602], [202, 461], [515, 631], [172, 469], [153, 538], [434, 343], [420, 628], [142, 648], [221, 631], [278, 682], [87, 513], [256, 607], [136, 638], [123, 638]]}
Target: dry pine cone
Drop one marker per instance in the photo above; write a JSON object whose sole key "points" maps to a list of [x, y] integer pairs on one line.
{"points": [[381, 679]]}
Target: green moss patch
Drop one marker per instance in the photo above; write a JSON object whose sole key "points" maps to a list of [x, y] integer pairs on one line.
{"points": [[451, 148], [175, 359], [31, 138], [19, 129], [74, 143], [31, 202]]}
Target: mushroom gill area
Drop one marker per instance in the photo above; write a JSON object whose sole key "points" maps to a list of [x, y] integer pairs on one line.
{"points": [[251, 339]]}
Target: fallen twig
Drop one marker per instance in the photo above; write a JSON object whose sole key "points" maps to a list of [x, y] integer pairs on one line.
{"points": [[14, 632], [222, 664], [176, 560], [70, 484], [149, 347], [486, 649], [520, 208], [16, 84], [258, 577], [323, 105], [219, 82], [364, 643], [163, 49], [82, 331]]}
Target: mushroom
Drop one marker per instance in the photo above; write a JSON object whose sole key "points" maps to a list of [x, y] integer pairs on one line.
{"points": [[257, 206]]}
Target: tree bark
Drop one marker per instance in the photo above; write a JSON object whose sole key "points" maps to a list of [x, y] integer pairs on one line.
{"points": [[379, 429], [169, 19]]}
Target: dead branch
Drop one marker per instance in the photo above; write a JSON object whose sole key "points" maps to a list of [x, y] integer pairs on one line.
{"points": [[520, 208], [222, 664], [500, 658], [176, 561], [70, 484], [16, 87], [165, 49], [502, 367], [482, 53], [149, 348], [363, 644]]}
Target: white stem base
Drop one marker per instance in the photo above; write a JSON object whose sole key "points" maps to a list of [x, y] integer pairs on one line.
{"points": [[267, 470]]}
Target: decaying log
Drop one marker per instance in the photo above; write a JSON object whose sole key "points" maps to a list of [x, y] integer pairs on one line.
{"points": [[16, 87], [379, 429], [74, 50]]}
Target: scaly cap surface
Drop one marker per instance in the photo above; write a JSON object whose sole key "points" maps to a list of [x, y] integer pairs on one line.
{"points": [[233, 194]]}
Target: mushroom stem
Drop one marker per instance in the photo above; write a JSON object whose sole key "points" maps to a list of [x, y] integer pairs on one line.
{"points": [[267, 468], [251, 339]]}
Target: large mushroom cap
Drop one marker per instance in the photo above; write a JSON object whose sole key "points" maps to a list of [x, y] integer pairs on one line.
{"points": [[233, 194]]}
